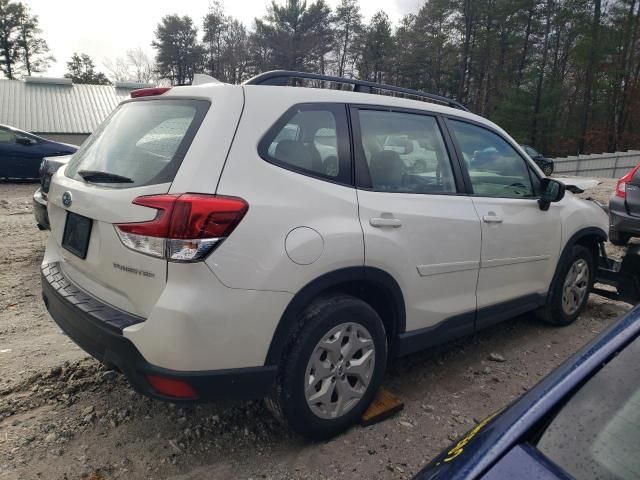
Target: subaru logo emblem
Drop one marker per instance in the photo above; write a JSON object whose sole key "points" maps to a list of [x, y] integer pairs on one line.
{"points": [[66, 199]]}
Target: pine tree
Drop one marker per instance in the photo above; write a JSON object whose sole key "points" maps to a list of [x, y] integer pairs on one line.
{"points": [[81, 69], [33, 50], [179, 54]]}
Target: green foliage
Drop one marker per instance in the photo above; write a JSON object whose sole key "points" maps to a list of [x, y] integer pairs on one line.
{"points": [[377, 50], [179, 53], [33, 50], [81, 69], [22, 49], [294, 36]]}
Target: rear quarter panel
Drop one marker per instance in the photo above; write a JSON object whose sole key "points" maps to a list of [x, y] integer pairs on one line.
{"points": [[202, 165], [254, 256]]}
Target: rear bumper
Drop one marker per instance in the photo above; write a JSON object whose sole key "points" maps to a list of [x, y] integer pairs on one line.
{"points": [[620, 220], [40, 210], [97, 328]]}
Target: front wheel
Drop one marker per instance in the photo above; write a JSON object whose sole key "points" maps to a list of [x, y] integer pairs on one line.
{"points": [[570, 287], [334, 367], [548, 170]]}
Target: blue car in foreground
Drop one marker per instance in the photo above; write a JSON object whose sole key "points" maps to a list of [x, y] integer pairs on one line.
{"points": [[21, 153], [582, 421]]}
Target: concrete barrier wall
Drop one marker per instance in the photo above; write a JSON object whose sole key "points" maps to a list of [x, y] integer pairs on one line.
{"points": [[602, 165]]}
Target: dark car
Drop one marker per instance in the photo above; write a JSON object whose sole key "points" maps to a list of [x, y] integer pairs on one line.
{"points": [[48, 167], [624, 209], [21, 153], [582, 421], [545, 164]]}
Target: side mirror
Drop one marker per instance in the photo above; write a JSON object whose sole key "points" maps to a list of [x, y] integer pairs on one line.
{"points": [[552, 191]]}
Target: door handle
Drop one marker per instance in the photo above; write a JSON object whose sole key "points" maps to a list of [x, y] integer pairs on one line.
{"points": [[492, 219], [385, 222]]}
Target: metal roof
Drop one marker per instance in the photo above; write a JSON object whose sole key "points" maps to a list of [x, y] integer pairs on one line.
{"points": [[48, 107]]}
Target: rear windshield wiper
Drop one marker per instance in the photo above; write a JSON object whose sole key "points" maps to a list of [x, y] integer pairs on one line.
{"points": [[103, 177]]}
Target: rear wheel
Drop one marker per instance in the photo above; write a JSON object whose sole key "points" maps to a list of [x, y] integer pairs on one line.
{"points": [[335, 364], [570, 288], [548, 170], [618, 238]]}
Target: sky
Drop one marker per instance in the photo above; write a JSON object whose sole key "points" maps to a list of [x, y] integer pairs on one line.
{"points": [[107, 29]]}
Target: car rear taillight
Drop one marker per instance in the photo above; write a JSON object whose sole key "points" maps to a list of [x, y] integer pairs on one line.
{"points": [[187, 227], [149, 92], [171, 387], [621, 187]]}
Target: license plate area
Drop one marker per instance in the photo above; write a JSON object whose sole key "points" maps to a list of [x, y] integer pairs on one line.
{"points": [[77, 231]]}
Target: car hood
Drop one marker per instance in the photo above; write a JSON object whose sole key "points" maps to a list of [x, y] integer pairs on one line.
{"points": [[580, 183]]}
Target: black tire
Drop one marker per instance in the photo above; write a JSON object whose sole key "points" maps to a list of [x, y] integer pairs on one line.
{"points": [[618, 238], [288, 401], [553, 312], [548, 170]]}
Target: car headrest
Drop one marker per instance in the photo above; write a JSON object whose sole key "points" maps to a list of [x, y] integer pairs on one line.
{"points": [[387, 170], [294, 153]]}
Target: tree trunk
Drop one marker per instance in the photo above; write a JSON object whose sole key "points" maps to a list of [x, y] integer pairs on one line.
{"points": [[464, 64], [586, 103], [525, 47], [543, 66], [628, 54]]}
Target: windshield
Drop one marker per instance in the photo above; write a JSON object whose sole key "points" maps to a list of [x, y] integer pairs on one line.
{"points": [[141, 143], [597, 433]]}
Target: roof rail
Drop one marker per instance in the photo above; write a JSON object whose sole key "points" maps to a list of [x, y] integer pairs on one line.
{"points": [[282, 77]]}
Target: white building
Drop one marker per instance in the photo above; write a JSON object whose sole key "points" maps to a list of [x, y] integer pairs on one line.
{"points": [[58, 109]]}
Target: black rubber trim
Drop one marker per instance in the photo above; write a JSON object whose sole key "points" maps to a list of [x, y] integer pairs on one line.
{"points": [[493, 314], [445, 331], [465, 324], [329, 281], [100, 312], [600, 236], [41, 215], [89, 325]]}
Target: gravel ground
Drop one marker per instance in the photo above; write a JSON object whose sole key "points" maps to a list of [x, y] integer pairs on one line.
{"points": [[62, 415]]}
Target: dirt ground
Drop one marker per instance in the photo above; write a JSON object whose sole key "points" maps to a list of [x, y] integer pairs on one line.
{"points": [[63, 416]]}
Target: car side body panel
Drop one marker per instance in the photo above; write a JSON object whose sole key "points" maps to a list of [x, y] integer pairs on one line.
{"points": [[290, 214]]}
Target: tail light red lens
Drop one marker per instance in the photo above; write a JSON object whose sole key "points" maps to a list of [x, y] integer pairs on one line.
{"points": [[171, 387], [187, 227], [621, 187], [149, 92]]}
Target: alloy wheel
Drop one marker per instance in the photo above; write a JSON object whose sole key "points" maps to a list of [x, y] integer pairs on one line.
{"points": [[339, 370], [576, 286]]}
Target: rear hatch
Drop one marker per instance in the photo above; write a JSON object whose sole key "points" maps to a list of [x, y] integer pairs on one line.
{"points": [[136, 152], [633, 194]]}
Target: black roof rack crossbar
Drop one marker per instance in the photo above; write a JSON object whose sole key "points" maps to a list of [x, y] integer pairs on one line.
{"points": [[282, 77]]}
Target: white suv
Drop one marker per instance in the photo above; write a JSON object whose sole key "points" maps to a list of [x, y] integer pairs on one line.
{"points": [[261, 240]]}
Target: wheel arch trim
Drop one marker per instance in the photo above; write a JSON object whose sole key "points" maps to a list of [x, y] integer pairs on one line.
{"points": [[328, 281], [583, 233]]}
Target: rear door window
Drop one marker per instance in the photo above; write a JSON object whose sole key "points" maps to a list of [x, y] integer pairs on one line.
{"points": [[404, 153], [141, 143], [311, 139]]}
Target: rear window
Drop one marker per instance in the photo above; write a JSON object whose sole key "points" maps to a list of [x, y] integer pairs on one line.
{"points": [[141, 143]]}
